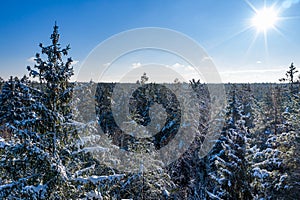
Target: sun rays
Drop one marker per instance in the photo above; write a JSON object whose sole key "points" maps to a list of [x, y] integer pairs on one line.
{"points": [[265, 20]]}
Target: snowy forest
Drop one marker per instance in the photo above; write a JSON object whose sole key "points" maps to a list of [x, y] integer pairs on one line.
{"points": [[45, 149]]}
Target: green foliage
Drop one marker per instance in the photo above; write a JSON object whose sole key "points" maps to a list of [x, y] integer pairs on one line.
{"points": [[39, 158]]}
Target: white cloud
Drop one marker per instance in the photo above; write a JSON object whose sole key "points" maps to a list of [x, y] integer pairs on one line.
{"points": [[189, 68], [74, 62], [258, 62], [136, 65], [31, 59], [288, 3], [206, 58], [179, 66], [106, 64]]}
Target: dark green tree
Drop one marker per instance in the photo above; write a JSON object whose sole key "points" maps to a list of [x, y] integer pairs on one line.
{"points": [[227, 173], [26, 165], [42, 158]]}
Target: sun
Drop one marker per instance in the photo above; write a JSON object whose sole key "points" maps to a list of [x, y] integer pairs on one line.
{"points": [[265, 19]]}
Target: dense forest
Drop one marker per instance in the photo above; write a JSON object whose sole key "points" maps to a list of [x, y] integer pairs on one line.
{"points": [[48, 145]]}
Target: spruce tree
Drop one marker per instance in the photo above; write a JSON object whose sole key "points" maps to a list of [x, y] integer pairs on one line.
{"points": [[26, 165], [227, 171], [42, 157]]}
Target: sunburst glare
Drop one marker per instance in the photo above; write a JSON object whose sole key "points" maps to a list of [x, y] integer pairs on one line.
{"points": [[265, 19]]}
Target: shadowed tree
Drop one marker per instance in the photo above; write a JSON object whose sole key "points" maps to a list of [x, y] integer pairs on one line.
{"points": [[290, 77]]}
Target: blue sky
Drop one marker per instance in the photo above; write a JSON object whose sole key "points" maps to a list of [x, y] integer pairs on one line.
{"points": [[222, 28]]}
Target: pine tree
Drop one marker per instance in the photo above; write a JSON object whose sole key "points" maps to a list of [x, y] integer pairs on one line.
{"points": [[42, 159], [25, 161], [271, 148], [227, 172], [77, 165], [290, 77], [287, 185]]}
